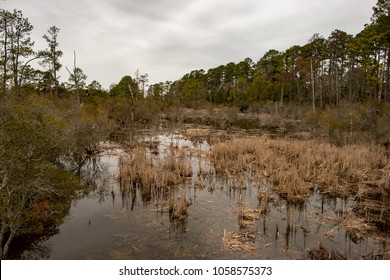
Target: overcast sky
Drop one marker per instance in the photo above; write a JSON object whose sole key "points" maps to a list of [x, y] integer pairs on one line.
{"points": [[168, 38]]}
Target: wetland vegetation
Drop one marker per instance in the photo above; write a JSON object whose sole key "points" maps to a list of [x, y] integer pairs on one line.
{"points": [[286, 158]]}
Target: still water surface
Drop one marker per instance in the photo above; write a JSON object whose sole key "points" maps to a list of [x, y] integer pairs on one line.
{"points": [[106, 225]]}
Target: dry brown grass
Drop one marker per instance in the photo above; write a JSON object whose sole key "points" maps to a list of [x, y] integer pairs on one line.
{"points": [[154, 177], [239, 241], [178, 208], [265, 199], [141, 170], [372, 202], [323, 254], [297, 167], [247, 217], [357, 228]]}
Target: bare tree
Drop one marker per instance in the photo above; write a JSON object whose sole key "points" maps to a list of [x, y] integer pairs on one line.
{"points": [[77, 77]]}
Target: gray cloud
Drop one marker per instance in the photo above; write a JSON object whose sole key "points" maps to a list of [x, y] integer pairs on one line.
{"points": [[168, 38]]}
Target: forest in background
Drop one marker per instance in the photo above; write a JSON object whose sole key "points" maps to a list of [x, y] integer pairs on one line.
{"points": [[335, 87], [325, 71], [343, 78]]}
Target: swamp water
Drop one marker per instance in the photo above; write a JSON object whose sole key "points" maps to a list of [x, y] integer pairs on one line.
{"points": [[224, 216]]}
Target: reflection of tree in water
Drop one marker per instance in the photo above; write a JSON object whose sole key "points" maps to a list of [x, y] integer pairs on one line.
{"points": [[41, 221], [44, 216], [40, 142], [37, 251], [32, 247], [95, 177]]}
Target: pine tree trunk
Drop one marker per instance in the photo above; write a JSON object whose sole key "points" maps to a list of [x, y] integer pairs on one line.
{"points": [[5, 60]]}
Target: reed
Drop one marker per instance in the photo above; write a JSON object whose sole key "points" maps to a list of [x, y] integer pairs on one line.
{"points": [[296, 167], [323, 254], [357, 228], [139, 170], [247, 217], [135, 171], [156, 179], [242, 241], [264, 198], [178, 208]]}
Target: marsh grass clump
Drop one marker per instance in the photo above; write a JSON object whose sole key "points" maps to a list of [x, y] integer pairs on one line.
{"points": [[178, 164], [135, 171], [372, 205], [265, 199], [178, 208], [247, 217], [140, 170], [357, 228], [243, 241], [323, 254], [297, 167]]}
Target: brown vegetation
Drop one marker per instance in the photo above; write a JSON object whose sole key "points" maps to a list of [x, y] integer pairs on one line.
{"points": [[178, 208], [247, 217], [141, 170], [323, 254], [156, 178], [296, 168], [239, 241]]}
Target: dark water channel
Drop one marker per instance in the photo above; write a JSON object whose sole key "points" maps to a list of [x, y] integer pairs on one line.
{"points": [[106, 225]]}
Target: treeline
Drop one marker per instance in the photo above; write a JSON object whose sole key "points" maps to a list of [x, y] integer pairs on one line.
{"points": [[324, 71]]}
